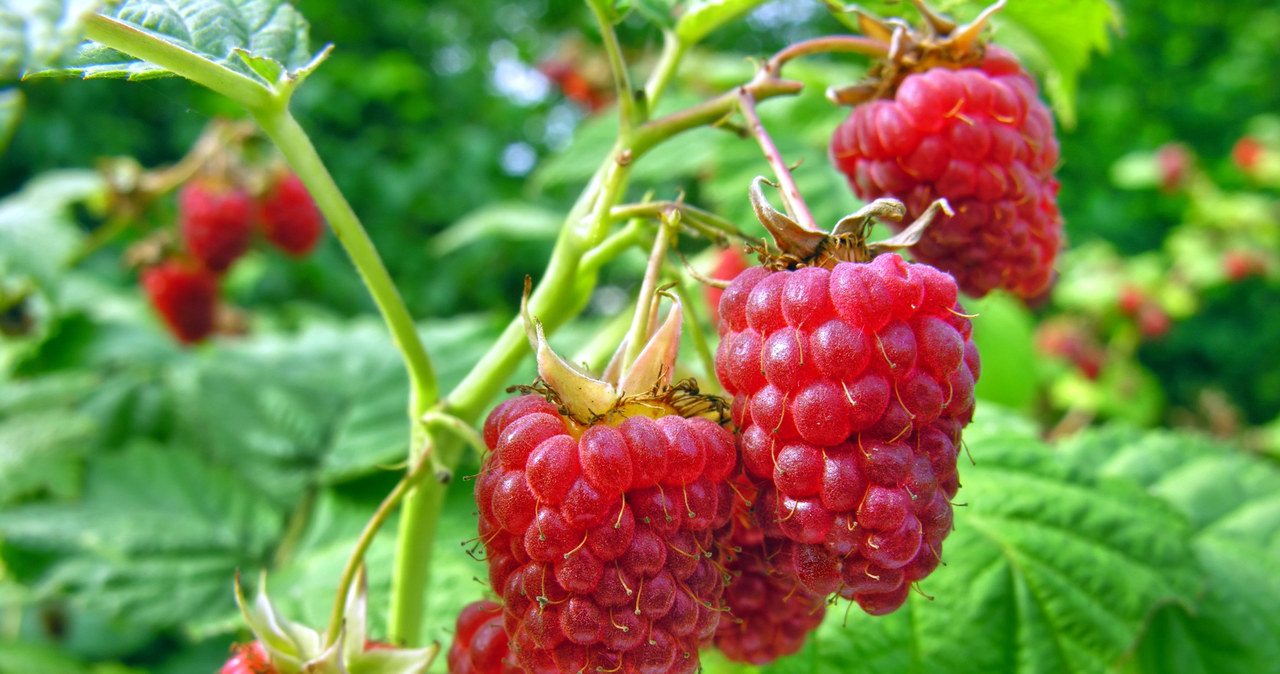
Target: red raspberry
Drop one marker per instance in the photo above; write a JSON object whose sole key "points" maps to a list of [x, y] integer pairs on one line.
{"points": [[289, 218], [480, 643], [249, 658], [1173, 165], [851, 386], [729, 263], [1247, 153], [186, 298], [595, 535], [769, 612], [216, 222], [979, 137]]}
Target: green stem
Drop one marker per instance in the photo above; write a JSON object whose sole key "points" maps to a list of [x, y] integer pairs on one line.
{"points": [[848, 44], [673, 49], [297, 149], [626, 95], [613, 246], [657, 131], [148, 47], [415, 539], [371, 529]]}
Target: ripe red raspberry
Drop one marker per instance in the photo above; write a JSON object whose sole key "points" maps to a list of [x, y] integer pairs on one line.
{"points": [[851, 386], [1247, 153], [979, 137], [288, 216], [249, 658], [729, 263], [216, 222], [480, 642], [1173, 165], [769, 612], [185, 296], [596, 534]]}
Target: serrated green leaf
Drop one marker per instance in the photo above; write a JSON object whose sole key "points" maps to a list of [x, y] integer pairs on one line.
{"points": [[37, 451], [1048, 570], [37, 33], [704, 16], [213, 29], [155, 539], [1065, 33], [1233, 503]]}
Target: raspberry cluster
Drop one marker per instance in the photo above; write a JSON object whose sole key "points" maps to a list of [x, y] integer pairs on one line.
{"points": [[851, 386], [597, 536], [980, 137], [217, 220]]}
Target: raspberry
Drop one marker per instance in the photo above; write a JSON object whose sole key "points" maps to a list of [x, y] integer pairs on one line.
{"points": [[216, 222], [729, 263], [979, 137], [252, 658], [480, 642], [595, 535], [1247, 153], [851, 386], [249, 658], [186, 298], [1173, 165], [769, 612], [288, 217]]}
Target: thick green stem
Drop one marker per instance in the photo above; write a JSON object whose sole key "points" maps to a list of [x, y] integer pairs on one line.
{"points": [[148, 47], [638, 335], [415, 539]]}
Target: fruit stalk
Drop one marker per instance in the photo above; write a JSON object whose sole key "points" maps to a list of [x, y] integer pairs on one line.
{"points": [[370, 530], [791, 199]]}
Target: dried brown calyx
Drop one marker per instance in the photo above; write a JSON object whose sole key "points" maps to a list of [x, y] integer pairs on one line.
{"points": [[797, 246], [939, 42], [644, 388]]}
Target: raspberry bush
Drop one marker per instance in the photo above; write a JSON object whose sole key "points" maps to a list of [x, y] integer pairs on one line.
{"points": [[221, 450]]}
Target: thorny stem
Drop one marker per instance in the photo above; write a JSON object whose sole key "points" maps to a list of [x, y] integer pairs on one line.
{"points": [[371, 529], [791, 199]]}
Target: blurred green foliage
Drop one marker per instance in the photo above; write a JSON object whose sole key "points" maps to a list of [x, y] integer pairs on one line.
{"points": [[461, 178]]}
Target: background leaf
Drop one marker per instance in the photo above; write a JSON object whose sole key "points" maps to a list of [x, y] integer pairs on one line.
{"points": [[156, 539], [1233, 503], [36, 33], [1049, 569]]}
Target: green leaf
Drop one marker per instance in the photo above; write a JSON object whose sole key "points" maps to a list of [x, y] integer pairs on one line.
{"points": [[1233, 503], [156, 538], [1049, 569], [504, 221], [1063, 34], [11, 106], [658, 12], [1002, 329], [704, 16], [37, 234], [216, 30], [38, 451], [35, 34]]}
